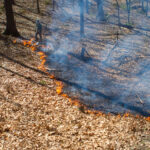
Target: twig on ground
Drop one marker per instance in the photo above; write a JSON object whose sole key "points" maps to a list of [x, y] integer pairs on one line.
{"points": [[140, 99]]}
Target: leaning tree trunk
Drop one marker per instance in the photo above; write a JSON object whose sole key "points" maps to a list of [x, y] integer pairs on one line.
{"points": [[10, 21]]}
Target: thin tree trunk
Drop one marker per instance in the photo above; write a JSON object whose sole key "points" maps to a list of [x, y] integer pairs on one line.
{"points": [[54, 4], [100, 13], [118, 10], [10, 21], [142, 5], [38, 7], [73, 3], [13, 2], [87, 6], [147, 7], [128, 4], [81, 4]]}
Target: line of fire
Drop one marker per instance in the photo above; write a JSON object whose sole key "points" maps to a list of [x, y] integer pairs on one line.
{"points": [[98, 54]]}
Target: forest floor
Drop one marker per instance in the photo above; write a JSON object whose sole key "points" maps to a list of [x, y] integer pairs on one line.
{"points": [[34, 116]]}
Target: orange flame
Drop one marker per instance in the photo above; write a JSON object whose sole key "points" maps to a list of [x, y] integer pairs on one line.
{"points": [[24, 43], [119, 116], [51, 76], [42, 57], [126, 115], [33, 48], [14, 41], [65, 95], [29, 42], [147, 119], [59, 88]]}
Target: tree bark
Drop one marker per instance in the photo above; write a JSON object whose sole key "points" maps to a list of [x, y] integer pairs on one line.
{"points": [[38, 7], [81, 4], [54, 4], [128, 4], [13, 2], [118, 11], [87, 6], [10, 21], [147, 7], [73, 3], [100, 13], [142, 5]]}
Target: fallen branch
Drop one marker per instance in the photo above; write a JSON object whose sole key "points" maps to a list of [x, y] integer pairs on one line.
{"points": [[140, 99]]}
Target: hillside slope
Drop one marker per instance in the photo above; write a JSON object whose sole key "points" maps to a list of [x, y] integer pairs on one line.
{"points": [[33, 116]]}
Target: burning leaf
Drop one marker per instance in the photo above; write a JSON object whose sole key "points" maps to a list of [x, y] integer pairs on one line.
{"points": [[42, 57], [33, 48], [52, 76], [59, 87], [43, 62], [24, 43], [41, 53], [126, 115], [14, 41], [41, 67], [148, 119], [75, 102], [65, 95]]}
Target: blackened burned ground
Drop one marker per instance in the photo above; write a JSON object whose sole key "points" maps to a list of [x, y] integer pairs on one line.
{"points": [[111, 76], [118, 83]]}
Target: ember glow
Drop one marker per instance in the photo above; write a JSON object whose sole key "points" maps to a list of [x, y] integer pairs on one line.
{"points": [[59, 87], [14, 41]]}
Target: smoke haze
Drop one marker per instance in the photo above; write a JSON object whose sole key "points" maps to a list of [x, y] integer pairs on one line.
{"points": [[112, 76]]}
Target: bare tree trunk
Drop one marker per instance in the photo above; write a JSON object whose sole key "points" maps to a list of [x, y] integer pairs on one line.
{"points": [[81, 4], [118, 10], [10, 21], [54, 4], [87, 6], [142, 5], [38, 7], [100, 13], [73, 3], [147, 7], [128, 4], [13, 2]]}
